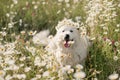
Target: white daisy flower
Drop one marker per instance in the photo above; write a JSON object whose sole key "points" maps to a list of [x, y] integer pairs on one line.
{"points": [[27, 69], [79, 75], [115, 58], [113, 76], [46, 73], [79, 66], [116, 43], [2, 73]]}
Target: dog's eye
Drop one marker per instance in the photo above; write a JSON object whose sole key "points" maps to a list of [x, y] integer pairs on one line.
{"points": [[71, 30], [63, 31]]}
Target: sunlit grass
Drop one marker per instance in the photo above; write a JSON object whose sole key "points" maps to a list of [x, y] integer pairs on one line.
{"points": [[20, 19]]}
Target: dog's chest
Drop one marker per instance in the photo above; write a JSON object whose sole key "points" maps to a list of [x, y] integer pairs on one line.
{"points": [[68, 56]]}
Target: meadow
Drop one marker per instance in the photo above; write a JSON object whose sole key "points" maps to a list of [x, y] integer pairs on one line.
{"points": [[20, 20]]}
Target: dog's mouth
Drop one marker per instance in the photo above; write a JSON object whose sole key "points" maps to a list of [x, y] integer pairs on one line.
{"points": [[68, 43]]}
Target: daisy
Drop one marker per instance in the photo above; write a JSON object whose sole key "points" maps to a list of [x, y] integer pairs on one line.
{"points": [[113, 76], [46, 73], [79, 75]]}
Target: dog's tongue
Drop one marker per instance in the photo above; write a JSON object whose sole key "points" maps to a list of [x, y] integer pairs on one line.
{"points": [[66, 44]]}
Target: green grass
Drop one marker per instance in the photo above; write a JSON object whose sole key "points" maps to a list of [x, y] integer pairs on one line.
{"points": [[100, 62]]}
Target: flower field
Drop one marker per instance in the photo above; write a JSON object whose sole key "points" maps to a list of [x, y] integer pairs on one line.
{"points": [[20, 20]]}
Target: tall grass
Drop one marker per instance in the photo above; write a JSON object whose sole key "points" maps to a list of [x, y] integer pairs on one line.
{"points": [[20, 59]]}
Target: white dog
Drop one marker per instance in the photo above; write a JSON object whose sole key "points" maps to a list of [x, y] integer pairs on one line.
{"points": [[67, 45]]}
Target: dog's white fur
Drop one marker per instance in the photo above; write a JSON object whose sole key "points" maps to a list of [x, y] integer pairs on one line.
{"points": [[75, 54]]}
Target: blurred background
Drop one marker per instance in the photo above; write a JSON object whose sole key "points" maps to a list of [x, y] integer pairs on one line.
{"points": [[38, 14]]}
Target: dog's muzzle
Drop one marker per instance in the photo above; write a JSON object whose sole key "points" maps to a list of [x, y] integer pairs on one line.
{"points": [[67, 37], [67, 41]]}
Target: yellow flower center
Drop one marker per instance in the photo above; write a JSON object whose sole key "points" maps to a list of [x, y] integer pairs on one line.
{"points": [[1, 73]]}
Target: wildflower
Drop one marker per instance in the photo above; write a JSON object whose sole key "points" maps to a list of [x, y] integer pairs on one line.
{"points": [[118, 51], [17, 37], [66, 1], [109, 41], [105, 28], [35, 78], [38, 76], [67, 5], [2, 73], [21, 76], [75, 1], [33, 2], [43, 63], [12, 5], [113, 76], [93, 38], [27, 3], [3, 33], [96, 72], [27, 69], [22, 58], [50, 37], [10, 46], [95, 78], [2, 49], [58, 11], [105, 32], [24, 8], [15, 1], [22, 32], [21, 65], [37, 61], [32, 32], [117, 30], [25, 25], [53, 78], [78, 18], [7, 14], [10, 25], [67, 67], [43, 3], [14, 67], [8, 77], [79, 67], [35, 7], [20, 22], [9, 61], [67, 22], [46, 74], [116, 43], [9, 52], [60, 0], [31, 49], [79, 75], [70, 71], [118, 25], [115, 58], [13, 34], [118, 5]]}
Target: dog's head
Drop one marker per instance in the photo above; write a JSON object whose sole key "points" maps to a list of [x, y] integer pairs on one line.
{"points": [[67, 32], [68, 35]]}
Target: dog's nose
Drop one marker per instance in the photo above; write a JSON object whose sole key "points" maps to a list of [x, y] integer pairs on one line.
{"points": [[67, 37]]}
